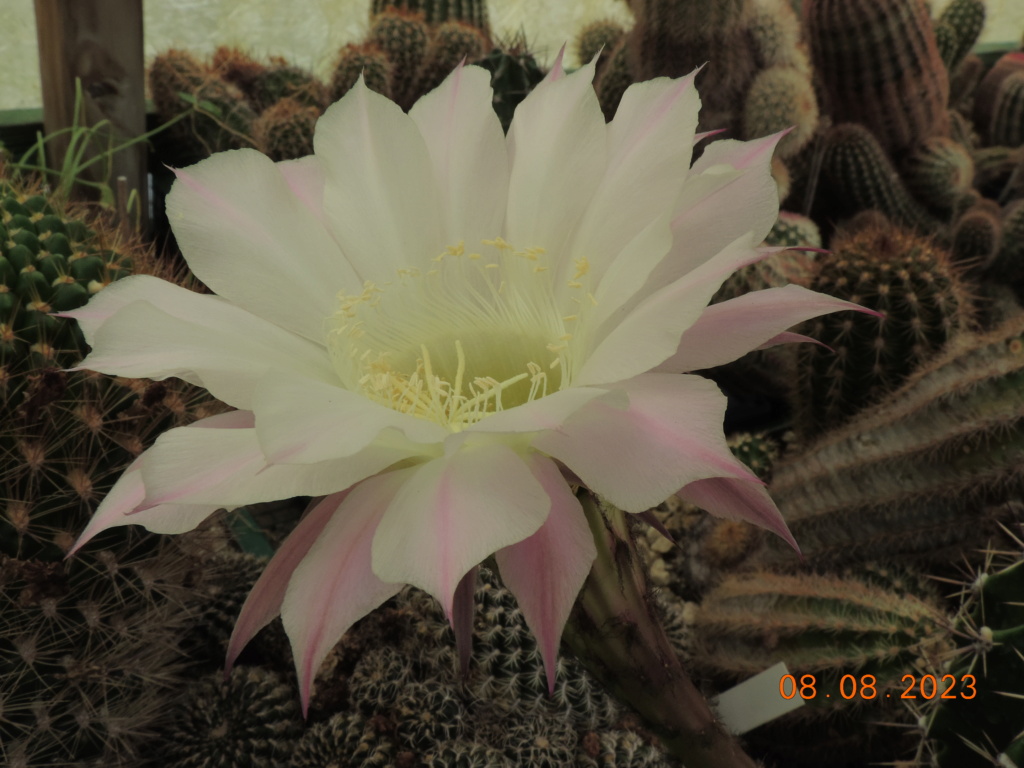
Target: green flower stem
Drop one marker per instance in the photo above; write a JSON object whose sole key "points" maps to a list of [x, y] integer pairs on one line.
{"points": [[616, 634]]}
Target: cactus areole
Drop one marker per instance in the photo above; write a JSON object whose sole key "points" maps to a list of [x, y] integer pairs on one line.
{"points": [[439, 330]]}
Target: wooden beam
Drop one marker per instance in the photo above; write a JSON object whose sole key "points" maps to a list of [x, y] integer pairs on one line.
{"points": [[99, 42]]}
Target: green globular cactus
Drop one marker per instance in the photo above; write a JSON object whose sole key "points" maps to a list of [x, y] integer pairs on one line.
{"points": [[988, 708], [780, 98], [1007, 126], [438, 11], [403, 37], [938, 171], [794, 230], [857, 175], [958, 28], [251, 719], [910, 280], [89, 656], [219, 116], [367, 60], [285, 130], [466, 754], [620, 749], [346, 740], [847, 643], [925, 476], [758, 451], [598, 37], [879, 66], [451, 42]]}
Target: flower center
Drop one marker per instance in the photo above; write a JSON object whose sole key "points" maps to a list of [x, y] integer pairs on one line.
{"points": [[477, 333]]}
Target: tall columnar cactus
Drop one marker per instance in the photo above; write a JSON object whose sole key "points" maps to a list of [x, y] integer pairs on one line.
{"points": [[910, 280], [926, 475], [879, 66], [989, 89], [848, 644], [403, 37], [1007, 126]]}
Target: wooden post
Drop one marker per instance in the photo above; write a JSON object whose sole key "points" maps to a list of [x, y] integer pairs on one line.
{"points": [[99, 42]]}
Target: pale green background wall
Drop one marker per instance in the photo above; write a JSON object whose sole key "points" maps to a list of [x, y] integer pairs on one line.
{"points": [[309, 32]]}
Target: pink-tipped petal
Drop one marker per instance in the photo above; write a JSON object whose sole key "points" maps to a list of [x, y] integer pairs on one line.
{"points": [[546, 571], [652, 520], [787, 337], [669, 436], [263, 604], [299, 421], [236, 217], [463, 608], [334, 586], [557, 155], [649, 333], [468, 154], [729, 330], [737, 499], [455, 511], [142, 327]]}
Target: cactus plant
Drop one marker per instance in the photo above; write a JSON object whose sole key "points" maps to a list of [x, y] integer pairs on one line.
{"points": [[450, 43], [1007, 126], [403, 37], [926, 475], [361, 59], [285, 130], [879, 66], [1008, 264], [781, 98], [598, 37], [438, 11], [977, 235], [938, 171], [990, 87], [958, 28]]}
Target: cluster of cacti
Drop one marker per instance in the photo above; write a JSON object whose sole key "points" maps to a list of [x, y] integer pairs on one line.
{"points": [[755, 79], [472, 12]]}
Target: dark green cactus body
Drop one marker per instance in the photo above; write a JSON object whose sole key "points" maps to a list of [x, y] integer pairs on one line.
{"points": [[514, 73], [599, 37], [1007, 127], [977, 236], [926, 475], [1008, 264], [912, 282], [938, 172], [958, 28], [879, 66]]}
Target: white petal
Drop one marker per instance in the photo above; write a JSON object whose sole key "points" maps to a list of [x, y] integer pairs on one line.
{"points": [[380, 195], [301, 421], [142, 327], [544, 413], [246, 234], [452, 513], [467, 151], [558, 153]]}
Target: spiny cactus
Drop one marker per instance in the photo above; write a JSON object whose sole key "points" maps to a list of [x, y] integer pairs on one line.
{"points": [[367, 60], [451, 42], [1008, 264], [438, 11], [990, 87], [219, 117], [912, 282], [879, 66], [857, 175], [281, 80], [466, 754], [847, 643], [988, 713], [285, 130], [938, 171], [957, 30], [620, 749], [90, 653], [977, 236], [926, 475], [1007, 126], [781, 98], [514, 73], [403, 37], [251, 719], [598, 37]]}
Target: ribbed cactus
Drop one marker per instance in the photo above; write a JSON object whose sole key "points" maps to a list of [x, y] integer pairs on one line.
{"points": [[346, 739], [281, 80], [1007, 126], [365, 59], [403, 37], [938, 171], [598, 37], [250, 719], [957, 29], [926, 475], [909, 279], [977, 236], [989, 712], [437, 11], [1008, 264], [879, 66], [451, 42], [285, 130], [857, 175], [848, 644], [989, 89], [781, 98], [219, 118]]}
